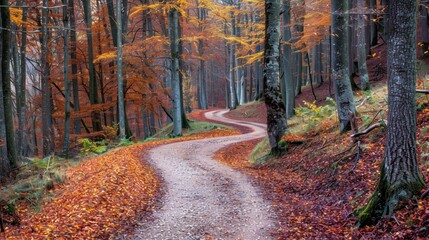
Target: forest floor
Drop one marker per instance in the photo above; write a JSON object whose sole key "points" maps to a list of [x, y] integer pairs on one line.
{"points": [[99, 198], [318, 184]]}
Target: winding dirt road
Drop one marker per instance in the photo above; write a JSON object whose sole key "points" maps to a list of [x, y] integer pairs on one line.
{"points": [[205, 199]]}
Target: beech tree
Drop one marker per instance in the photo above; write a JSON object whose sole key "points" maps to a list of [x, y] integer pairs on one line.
{"points": [[276, 115], [399, 176], [173, 32], [340, 63]]}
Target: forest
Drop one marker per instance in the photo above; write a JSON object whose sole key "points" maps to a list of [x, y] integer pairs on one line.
{"points": [[214, 119]]}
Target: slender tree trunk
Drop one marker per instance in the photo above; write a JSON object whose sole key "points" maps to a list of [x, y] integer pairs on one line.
{"points": [[48, 136], [361, 47], [202, 81], [74, 69], [232, 90], [4, 159], [400, 178], [276, 116], [173, 32], [121, 107], [93, 91], [373, 25], [7, 91], [424, 26], [21, 108], [66, 143], [340, 63]]}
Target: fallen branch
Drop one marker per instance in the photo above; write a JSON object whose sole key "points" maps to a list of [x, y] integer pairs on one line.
{"points": [[357, 157], [424, 91], [370, 128]]}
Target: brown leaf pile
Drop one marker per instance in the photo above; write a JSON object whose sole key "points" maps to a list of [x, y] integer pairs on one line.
{"points": [[102, 196]]}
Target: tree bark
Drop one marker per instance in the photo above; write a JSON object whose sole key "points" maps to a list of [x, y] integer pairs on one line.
{"points": [[173, 32], [276, 116], [340, 63], [93, 91], [121, 105], [48, 135], [7, 91], [400, 178], [66, 142], [361, 47], [4, 159], [74, 69], [288, 92]]}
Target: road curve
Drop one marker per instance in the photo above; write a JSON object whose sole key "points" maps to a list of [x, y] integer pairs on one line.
{"points": [[205, 199]]}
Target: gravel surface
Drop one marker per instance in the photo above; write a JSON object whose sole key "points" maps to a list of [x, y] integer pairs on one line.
{"points": [[205, 199]]}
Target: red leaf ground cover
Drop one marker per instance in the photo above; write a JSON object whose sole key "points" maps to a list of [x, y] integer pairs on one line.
{"points": [[102, 196], [314, 192]]}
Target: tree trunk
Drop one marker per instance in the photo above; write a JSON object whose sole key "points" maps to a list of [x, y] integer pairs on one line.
{"points": [[424, 26], [173, 32], [48, 135], [66, 143], [373, 25], [121, 105], [202, 81], [361, 47], [276, 117], [74, 69], [340, 64], [93, 91], [400, 178], [21, 108], [4, 159]]}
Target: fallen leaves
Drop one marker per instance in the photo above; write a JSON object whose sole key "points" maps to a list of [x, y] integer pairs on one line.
{"points": [[103, 195], [312, 202]]}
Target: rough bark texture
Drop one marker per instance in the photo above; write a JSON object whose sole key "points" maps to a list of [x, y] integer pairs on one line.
{"points": [[173, 32], [276, 116], [340, 63], [400, 178]]}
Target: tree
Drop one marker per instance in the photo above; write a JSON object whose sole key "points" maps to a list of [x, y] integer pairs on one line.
{"points": [[5, 77], [93, 90], [66, 143], [340, 63], [361, 47], [276, 116], [399, 176], [288, 92], [121, 104], [73, 40], [21, 89], [173, 32], [48, 135]]}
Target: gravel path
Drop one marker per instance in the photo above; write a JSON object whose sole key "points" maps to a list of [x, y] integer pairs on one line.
{"points": [[205, 199]]}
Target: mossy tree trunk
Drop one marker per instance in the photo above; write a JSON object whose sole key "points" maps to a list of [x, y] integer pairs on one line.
{"points": [[400, 177], [276, 114]]}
